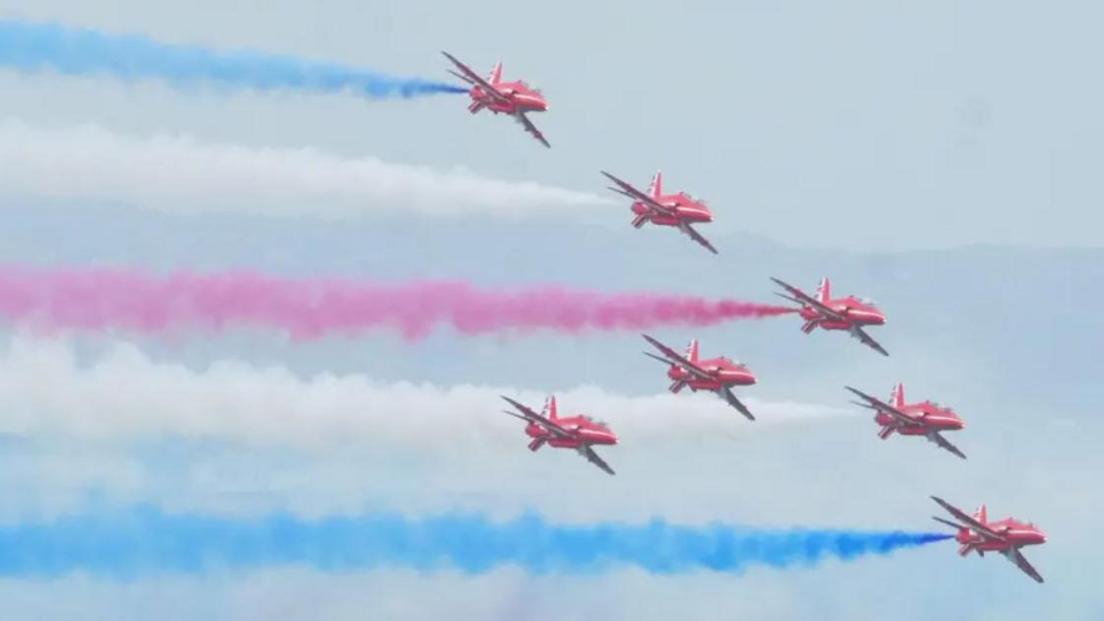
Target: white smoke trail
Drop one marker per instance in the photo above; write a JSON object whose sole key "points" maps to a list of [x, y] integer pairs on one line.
{"points": [[176, 173], [123, 396]]}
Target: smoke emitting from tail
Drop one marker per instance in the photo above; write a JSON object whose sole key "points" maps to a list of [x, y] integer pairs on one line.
{"points": [[30, 46], [103, 299], [148, 541]]}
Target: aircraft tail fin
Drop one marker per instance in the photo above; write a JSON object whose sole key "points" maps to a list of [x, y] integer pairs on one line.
{"points": [[550, 408], [496, 74], [886, 431], [692, 351], [475, 106], [824, 290], [676, 386], [897, 397], [639, 221], [655, 188], [981, 515], [536, 444]]}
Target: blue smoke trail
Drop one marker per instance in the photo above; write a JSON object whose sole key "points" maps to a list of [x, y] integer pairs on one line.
{"points": [[33, 47], [146, 540]]}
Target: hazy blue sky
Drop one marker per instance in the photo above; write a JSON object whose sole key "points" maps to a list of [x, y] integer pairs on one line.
{"points": [[859, 140]]}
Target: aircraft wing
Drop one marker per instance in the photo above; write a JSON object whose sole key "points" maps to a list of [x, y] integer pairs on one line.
{"points": [[882, 406], [532, 129], [473, 78], [969, 521], [727, 395], [531, 416], [628, 190], [593, 458], [1018, 558], [675, 358], [869, 342], [801, 297], [696, 236], [944, 444]]}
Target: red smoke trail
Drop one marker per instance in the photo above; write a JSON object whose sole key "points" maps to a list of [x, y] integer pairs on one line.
{"points": [[100, 299]]}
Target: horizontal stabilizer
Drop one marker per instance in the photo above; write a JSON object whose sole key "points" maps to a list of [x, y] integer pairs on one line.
{"points": [[947, 522]]}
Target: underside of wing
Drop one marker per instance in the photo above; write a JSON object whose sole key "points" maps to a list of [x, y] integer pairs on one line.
{"points": [[1021, 562], [532, 129], [727, 395], [869, 342], [944, 444], [593, 458], [696, 236]]}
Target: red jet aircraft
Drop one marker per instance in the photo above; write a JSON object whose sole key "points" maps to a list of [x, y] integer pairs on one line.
{"points": [[716, 375], [912, 419], [977, 534], [849, 313], [513, 98], [678, 210], [573, 432]]}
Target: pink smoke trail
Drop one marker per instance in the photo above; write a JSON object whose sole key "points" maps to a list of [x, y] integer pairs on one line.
{"points": [[101, 299]]}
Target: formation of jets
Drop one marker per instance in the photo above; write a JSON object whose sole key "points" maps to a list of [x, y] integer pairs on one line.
{"points": [[719, 375]]}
